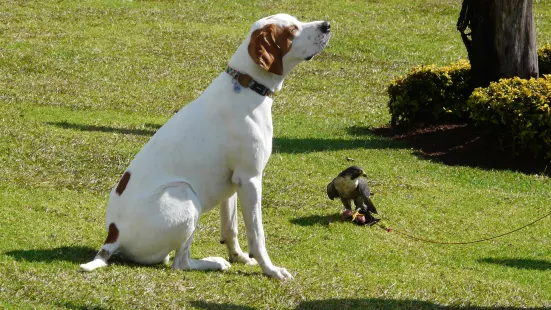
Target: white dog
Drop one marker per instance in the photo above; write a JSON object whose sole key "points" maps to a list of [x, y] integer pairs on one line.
{"points": [[211, 150]]}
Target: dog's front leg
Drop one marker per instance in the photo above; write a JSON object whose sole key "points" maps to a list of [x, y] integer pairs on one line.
{"points": [[249, 191], [228, 232]]}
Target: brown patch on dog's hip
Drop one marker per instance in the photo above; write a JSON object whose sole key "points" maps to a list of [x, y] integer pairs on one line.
{"points": [[112, 234], [122, 183]]}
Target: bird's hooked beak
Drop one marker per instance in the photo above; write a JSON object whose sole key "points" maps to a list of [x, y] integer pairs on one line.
{"points": [[363, 174]]}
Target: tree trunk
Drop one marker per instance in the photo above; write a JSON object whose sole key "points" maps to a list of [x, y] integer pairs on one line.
{"points": [[502, 41]]}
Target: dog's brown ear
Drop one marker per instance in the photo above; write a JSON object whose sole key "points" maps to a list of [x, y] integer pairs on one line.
{"points": [[269, 44]]}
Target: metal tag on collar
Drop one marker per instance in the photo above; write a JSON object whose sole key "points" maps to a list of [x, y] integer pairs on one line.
{"points": [[236, 87]]}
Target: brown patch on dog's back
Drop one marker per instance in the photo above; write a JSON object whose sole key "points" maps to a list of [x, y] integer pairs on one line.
{"points": [[112, 234], [122, 183]]}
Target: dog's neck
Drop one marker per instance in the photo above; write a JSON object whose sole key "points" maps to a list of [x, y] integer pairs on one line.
{"points": [[242, 62]]}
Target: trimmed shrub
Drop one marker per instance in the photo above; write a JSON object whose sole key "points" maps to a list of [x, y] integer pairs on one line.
{"points": [[544, 59], [520, 108], [428, 94]]}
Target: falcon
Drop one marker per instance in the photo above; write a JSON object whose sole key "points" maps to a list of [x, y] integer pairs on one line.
{"points": [[349, 185]]}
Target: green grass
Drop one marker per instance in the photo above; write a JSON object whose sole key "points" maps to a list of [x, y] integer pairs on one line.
{"points": [[84, 84]]}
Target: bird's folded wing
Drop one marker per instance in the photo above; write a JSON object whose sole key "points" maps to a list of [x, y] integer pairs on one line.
{"points": [[332, 191], [363, 188]]}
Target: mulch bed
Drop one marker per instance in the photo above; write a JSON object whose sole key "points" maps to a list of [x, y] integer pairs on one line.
{"points": [[466, 145]]}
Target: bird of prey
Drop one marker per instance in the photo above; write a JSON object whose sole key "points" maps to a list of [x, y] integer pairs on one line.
{"points": [[349, 185]]}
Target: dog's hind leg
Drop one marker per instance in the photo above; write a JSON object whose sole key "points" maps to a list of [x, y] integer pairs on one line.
{"points": [[228, 232], [187, 208], [109, 247], [183, 260]]}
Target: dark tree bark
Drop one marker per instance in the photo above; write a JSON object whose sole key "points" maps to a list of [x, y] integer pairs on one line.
{"points": [[502, 39]]}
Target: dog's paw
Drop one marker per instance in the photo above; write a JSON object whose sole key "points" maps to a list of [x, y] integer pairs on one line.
{"points": [[96, 263], [242, 258], [218, 263], [278, 273]]}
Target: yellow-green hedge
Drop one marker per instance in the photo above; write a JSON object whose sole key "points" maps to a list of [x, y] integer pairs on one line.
{"points": [[521, 108], [428, 94]]}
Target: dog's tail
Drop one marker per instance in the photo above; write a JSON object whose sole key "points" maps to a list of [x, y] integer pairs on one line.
{"points": [[109, 247]]}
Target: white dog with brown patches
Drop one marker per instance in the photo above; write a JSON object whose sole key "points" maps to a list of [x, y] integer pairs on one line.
{"points": [[208, 154]]}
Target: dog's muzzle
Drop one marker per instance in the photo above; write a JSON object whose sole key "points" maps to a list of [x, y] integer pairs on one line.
{"points": [[325, 29]]}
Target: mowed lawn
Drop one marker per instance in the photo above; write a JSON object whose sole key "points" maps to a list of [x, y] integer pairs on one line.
{"points": [[84, 84]]}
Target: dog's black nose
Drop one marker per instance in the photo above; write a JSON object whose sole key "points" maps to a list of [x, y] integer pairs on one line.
{"points": [[325, 27]]}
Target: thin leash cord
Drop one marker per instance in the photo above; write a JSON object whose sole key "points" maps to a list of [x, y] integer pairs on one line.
{"points": [[388, 229]]}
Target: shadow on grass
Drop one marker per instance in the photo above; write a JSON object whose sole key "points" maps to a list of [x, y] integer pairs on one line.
{"points": [[308, 145], [199, 304], [378, 303], [75, 254], [126, 131], [312, 220], [282, 145], [462, 145], [367, 303], [532, 264], [68, 305]]}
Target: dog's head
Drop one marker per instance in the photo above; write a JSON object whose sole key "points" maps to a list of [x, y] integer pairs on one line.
{"points": [[276, 44], [281, 41]]}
